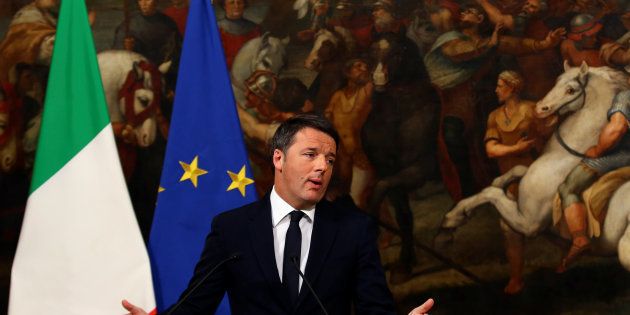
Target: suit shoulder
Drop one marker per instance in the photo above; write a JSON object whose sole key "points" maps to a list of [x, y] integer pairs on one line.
{"points": [[238, 213], [346, 212]]}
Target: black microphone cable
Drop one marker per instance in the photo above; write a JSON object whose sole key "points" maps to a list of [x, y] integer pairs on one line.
{"points": [[221, 263], [308, 284]]}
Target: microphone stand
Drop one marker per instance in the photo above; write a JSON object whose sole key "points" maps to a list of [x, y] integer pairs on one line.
{"points": [[308, 284], [221, 263]]}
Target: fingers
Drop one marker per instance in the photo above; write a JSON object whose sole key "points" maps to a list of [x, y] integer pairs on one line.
{"points": [[128, 306], [424, 308], [560, 31], [133, 310]]}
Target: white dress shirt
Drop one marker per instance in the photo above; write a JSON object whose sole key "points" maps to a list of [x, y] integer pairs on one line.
{"points": [[280, 220]]}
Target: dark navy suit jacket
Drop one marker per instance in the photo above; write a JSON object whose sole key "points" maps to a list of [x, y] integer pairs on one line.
{"points": [[343, 266]]}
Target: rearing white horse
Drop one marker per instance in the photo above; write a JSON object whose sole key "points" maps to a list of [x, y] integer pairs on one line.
{"points": [[583, 95]]}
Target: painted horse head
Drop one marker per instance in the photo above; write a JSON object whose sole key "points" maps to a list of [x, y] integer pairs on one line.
{"points": [[580, 87], [140, 98], [328, 44]]}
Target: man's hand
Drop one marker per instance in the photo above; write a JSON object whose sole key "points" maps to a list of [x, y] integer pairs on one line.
{"points": [[524, 144], [134, 310], [423, 309], [555, 37]]}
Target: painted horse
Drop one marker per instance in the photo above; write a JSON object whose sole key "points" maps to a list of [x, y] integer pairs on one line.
{"points": [[583, 96], [399, 134]]}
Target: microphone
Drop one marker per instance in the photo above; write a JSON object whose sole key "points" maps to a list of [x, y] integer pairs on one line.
{"points": [[308, 284], [221, 263]]}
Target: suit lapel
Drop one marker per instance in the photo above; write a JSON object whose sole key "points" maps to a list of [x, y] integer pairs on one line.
{"points": [[261, 236], [324, 233]]}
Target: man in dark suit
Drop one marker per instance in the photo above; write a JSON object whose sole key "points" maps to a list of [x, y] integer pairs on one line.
{"points": [[292, 228]]}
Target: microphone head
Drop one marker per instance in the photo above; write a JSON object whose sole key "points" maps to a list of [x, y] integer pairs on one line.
{"points": [[236, 255]]}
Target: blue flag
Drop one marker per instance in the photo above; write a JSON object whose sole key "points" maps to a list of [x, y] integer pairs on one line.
{"points": [[205, 169]]}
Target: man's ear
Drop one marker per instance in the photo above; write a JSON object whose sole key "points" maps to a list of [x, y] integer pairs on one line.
{"points": [[278, 159]]}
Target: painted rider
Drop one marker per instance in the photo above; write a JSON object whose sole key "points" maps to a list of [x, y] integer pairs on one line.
{"points": [[611, 152]]}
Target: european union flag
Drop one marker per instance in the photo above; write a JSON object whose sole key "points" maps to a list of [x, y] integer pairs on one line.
{"points": [[205, 169]]}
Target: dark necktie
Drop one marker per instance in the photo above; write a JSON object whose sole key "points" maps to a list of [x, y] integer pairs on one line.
{"points": [[292, 251]]}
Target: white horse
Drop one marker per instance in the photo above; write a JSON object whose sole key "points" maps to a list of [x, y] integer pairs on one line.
{"points": [[261, 53], [115, 66], [584, 96]]}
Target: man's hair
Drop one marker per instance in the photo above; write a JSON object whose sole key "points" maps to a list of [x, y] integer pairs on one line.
{"points": [[285, 135], [221, 3], [349, 64], [513, 79]]}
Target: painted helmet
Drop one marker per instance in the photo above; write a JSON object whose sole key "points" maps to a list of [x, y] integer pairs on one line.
{"points": [[262, 83], [583, 25]]}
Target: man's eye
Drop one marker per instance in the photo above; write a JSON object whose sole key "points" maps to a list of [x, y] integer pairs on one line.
{"points": [[331, 161]]}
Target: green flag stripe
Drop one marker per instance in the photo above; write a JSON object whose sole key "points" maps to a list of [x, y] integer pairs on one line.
{"points": [[75, 109]]}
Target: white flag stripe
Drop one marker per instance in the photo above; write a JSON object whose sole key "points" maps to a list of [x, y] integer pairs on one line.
{"points": [[80, 249]]}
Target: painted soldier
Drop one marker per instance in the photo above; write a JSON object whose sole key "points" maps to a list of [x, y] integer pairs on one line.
{"points": [[583, 42], [235, 29], [611, 152]]}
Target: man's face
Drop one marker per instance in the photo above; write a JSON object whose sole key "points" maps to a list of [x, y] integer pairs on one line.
{"points": [[51, 6], [147, 7], [504, 91], [303, 172], [382, 17], [359, 73], [589, 41], [234, 9], [470, 17], [531, 7]]}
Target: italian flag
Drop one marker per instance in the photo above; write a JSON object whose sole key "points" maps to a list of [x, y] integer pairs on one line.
{"points": [[80, 250]]}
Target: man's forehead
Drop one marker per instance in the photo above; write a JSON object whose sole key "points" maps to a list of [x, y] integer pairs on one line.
{"points": [[471, 10], [307, 137], [533, 3]]}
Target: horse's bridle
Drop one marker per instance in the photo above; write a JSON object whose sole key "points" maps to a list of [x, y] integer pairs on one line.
{"points": [[557, 132], [134, 83]]}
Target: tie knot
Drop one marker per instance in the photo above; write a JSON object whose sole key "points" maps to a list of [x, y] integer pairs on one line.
{"points": [[296, 215]]}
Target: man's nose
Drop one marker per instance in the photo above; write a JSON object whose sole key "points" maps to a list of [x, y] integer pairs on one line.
{"points": [[321, 163]]}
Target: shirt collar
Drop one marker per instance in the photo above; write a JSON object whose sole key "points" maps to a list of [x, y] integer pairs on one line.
{"points": [[280, 209]]}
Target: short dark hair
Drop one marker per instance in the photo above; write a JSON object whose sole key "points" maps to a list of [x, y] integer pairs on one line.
{"points": [[285, 135], [221, 3]]}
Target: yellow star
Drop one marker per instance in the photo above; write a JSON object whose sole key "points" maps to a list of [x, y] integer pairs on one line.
{"points": [[239, 181], [161, 189], [191, 171]]}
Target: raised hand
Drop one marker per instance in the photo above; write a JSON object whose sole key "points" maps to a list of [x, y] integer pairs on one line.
{"points": [[133, 310], [423, 309]]}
